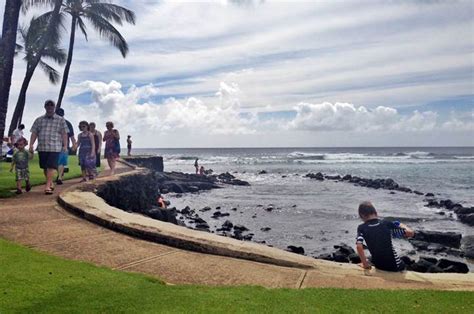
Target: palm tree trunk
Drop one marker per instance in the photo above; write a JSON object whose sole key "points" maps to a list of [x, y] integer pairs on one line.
{"points": [[20, 105], [68, 62], [7, 54]]}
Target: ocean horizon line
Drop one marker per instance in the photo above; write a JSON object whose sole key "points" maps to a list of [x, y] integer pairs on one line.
{"points": [[301, 147]]}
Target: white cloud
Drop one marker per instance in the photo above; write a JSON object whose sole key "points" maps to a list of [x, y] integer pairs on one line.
{"points": [[348, 117], [127, 109]]}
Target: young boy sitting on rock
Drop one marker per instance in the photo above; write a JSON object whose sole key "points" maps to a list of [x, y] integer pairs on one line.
{"points": [[378, 233]]}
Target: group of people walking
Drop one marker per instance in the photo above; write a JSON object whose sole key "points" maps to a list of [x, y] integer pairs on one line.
{"points": [[53, 135]]}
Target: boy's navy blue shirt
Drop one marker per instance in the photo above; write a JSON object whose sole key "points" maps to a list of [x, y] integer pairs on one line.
{"points": [[378, 234]]}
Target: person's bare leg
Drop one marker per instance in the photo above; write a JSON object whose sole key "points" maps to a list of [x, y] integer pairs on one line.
{"points": [[49, 178], [60, 172], [112, 172], [18, 185], [111, 163]]}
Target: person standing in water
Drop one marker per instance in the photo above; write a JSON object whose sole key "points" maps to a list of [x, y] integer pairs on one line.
{"points": [[196, 165], [129, 146]]}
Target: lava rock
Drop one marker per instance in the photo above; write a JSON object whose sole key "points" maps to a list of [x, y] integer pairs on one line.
{"points": [[467, 219], [262, 172], [186, 210], [340, 257], [265, 229], [295, 249], [344, 249], [163, 214], [202, 226], [468, 246], [354, 258], [326, 256], [452, 266], [240, 228], [205, 209], [451, 239]]}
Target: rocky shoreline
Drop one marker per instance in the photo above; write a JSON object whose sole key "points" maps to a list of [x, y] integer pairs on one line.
{"points": [[464, 214], [138, 193]]}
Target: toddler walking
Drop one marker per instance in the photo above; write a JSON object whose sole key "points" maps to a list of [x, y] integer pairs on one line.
{"points": [[20, 163]]}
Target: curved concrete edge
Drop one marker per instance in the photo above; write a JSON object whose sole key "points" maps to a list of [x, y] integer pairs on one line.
{"points": [[93, 208]]}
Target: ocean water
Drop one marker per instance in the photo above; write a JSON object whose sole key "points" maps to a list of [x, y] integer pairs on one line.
{"points": [[318, 215]]}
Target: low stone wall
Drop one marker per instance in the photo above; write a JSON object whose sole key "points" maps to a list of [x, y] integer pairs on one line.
{"points": [[154, 163]]}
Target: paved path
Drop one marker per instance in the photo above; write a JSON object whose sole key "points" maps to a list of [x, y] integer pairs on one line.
{"points": [[36, 220]]}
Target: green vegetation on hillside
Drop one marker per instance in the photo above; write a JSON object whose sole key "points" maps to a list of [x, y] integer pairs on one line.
{"points": [[34, 282], [7, 178]]}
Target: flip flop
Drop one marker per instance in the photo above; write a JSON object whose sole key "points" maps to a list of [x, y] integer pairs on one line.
{"points": [[48, 191]]}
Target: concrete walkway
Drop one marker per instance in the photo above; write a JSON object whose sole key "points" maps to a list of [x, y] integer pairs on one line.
{"points": [[36, 220]]}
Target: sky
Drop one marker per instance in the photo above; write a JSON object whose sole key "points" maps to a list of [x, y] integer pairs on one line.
{"points": [[274, 74]]}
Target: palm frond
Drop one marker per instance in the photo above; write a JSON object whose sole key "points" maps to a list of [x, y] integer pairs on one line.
{"points": [[52, 74], [108, 32], [43, 21], [55, 53], [82, 27], [27, 4], [110, 11]]}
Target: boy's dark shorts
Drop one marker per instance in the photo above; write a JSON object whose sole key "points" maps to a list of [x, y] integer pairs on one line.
{"points": [[48, 160]]}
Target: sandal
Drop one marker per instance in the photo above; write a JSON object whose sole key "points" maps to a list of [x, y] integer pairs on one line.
{"points": [[18, 191], [48, 191]]}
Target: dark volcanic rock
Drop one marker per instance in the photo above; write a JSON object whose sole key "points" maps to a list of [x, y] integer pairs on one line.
{"points": [[178, 182], [354, 258], [468, 246], [460, 210], [452, 266], [451, 239], [265, 229], [344, 248], [467, 219], [340, 257], [295, 249], [418, 192], [218, 214], [403, 219], [326, 256], [163, 214], [135, 193], [429, 195], [205, 209], [318, 176], [202, 225], [262, 172], [240, 228]]}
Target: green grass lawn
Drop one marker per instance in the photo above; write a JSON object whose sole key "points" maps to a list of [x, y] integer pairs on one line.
{"points": [[7, 178], [34, 282]]}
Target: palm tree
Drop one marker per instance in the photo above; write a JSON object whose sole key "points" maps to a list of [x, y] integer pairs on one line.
{"points": [[7, 54], [31, 37], [99, 14]]}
